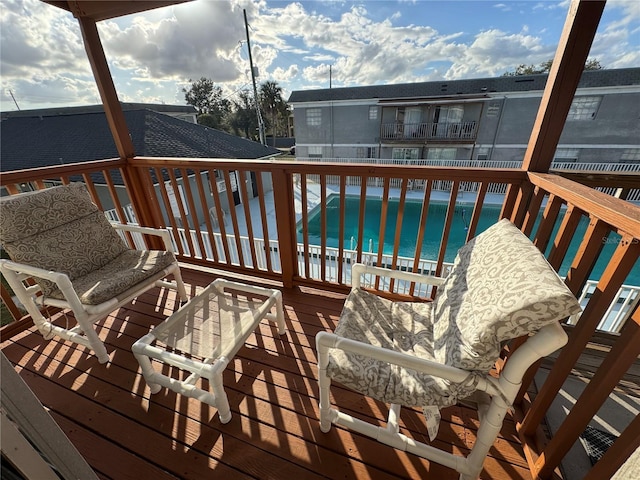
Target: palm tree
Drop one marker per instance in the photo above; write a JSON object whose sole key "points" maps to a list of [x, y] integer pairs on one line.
{"points": [[271, 100]]}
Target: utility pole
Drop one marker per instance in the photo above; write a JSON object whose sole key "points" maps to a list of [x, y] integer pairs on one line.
{"points": [[253, 79], [14, 100]]}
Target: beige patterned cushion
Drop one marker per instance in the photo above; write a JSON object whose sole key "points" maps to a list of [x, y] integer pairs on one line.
{"points": [[117, 276], [400, 326], [61, 229], [501, 287]]}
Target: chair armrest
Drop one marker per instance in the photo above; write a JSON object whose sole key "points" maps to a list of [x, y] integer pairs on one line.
{"points": [[15, 273], [326, 340], [159, 232], [359, 269]]}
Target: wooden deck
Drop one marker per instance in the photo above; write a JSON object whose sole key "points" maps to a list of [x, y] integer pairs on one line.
{"points": [[124, 433]]}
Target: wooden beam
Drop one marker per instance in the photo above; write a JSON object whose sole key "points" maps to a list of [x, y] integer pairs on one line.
{"points": [[572, 53], [626, 180], [112, 107], [104, 9]]}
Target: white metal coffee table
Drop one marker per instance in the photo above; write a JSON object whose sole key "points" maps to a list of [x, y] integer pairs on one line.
{"points": [[203, 336]]}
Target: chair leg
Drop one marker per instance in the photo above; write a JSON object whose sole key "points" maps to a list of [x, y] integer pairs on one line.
{"points": [[96, 344], [182, 291], [324, 384]]}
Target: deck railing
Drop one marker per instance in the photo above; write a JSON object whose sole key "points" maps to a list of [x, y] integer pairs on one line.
{"points": [[185, 196]]}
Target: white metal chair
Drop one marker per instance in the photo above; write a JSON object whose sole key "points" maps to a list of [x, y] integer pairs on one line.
{"points": [[432, 354], [59, 238]]}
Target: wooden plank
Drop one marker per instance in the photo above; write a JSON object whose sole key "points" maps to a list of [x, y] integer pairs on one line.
{"points": [[398, 229], [244, 195], [186, 182], [340, 260], [234, 217], [502, 175], [447, 229], [101, 453], [424, 213], [263, 218], [548, 221], [361, 215], [565, 234]]}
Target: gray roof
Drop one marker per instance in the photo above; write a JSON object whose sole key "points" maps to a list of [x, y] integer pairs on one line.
{"points": [[39, 141], [48, 112], [477, 86]]}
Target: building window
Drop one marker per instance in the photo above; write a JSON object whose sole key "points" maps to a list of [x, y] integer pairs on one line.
{"points": [[584, 108], [315, 151], [630, 155], [483, 154], [441, 154], [314, 117], [404, 154], [372, 152], [566, 155], [373, 113]]}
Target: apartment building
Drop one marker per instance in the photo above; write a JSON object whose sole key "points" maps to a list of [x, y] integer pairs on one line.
{"points": [[484, 120]]}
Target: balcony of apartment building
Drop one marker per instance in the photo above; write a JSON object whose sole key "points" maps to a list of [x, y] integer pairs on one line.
{"points": [[429, 122], [271, 240]]}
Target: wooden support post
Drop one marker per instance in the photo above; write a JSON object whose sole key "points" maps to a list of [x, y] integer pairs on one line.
{"points": [[567, 67], [140, 199], [100, 68], [285, 222]]}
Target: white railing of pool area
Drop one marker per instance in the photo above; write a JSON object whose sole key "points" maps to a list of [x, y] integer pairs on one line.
{"points": [[620, 309], [556, 165]]}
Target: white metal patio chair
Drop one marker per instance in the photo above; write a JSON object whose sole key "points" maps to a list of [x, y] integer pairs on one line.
{"points": [[59, 238], [432, 354]]}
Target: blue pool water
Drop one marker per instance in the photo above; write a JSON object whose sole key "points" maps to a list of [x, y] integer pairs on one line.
{"points": [[433, 230]]}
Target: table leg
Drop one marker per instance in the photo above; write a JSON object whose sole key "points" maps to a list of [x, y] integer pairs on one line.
{"points": [[221, 396], [147, 371]]}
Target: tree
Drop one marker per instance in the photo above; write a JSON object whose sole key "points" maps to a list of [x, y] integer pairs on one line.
{"points": [[272, 104], [545, 67], [244, 119], [208, 99]]}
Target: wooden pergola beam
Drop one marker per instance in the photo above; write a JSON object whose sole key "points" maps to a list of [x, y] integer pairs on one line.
{"points": [[106, 87], [568, 64]]}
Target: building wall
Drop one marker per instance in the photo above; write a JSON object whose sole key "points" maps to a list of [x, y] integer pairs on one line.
{"points": [[504, 125]]}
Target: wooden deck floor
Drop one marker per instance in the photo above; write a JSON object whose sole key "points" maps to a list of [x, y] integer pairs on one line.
{"points": [[126, 433]]}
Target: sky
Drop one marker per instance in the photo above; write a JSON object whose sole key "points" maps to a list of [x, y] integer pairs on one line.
{"points": [[300, 45]]}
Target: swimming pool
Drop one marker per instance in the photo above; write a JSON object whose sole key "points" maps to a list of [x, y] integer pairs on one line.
{"points": [[433, 231]]}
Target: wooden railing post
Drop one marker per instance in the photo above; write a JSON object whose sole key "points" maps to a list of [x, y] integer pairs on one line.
{"points": [[286, 225]]}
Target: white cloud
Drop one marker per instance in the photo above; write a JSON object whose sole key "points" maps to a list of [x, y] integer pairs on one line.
{"points": [[152, 55]]}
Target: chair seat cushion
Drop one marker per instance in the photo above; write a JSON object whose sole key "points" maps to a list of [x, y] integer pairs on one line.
{"points": [[400, 326], [125, 271]]}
